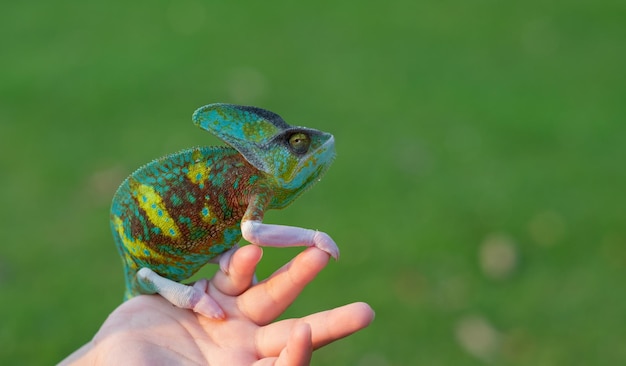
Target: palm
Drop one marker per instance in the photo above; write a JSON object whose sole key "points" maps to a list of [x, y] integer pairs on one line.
{"points": [[149, 330]]}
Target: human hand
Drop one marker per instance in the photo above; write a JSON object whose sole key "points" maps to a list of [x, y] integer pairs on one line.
{"points": [[147, 329]]}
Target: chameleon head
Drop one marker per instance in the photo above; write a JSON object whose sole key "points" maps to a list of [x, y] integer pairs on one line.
{"points": [[295, 156], [300, 156]]}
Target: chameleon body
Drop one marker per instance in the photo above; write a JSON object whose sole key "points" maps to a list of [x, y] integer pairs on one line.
{"points": [[176, 214]]}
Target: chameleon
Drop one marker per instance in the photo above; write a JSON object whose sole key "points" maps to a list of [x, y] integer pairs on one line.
{"points": [[177, 213]]}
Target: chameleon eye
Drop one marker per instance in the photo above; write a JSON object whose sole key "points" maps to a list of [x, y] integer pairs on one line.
{"points": [[299, 142]]}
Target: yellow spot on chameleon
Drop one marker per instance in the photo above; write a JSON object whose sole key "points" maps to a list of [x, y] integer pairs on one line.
{"points": [[138, 248], [198, 171], [152, 203]]}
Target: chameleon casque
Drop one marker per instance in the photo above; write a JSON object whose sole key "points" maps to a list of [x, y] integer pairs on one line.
{"points": [[176, 214]]}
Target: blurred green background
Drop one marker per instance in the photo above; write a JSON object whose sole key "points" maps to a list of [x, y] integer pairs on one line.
{"points": [[478, 195]]}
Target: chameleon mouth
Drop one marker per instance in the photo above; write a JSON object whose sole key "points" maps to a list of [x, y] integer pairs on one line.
{"points": [[328, 155]]}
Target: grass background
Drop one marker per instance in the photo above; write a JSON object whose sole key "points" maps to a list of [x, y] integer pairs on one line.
{"points": [[478, 195]]}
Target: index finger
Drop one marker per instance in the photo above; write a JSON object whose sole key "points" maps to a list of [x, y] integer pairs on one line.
{"points": [[268, 299]]}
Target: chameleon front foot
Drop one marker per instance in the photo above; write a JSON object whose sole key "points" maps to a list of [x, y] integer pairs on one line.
{"points": [[187, 297], [271, 235]]}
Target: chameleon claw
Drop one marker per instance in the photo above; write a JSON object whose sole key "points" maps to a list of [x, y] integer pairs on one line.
{"points": [[324, 242], [206, 305]]}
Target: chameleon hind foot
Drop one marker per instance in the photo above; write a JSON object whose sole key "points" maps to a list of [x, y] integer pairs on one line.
{"points": [[187, 297]]}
